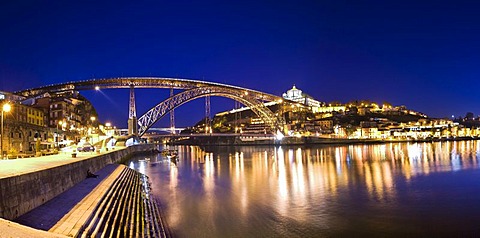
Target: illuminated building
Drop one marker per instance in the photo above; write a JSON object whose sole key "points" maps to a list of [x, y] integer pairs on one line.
{"points": [[297, 95]]}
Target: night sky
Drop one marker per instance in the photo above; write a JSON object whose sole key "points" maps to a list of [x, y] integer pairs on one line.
{"points": [[422, 55]]}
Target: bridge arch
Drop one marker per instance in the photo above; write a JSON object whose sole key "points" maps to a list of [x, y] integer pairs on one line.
{"points": [[138, 82], [193, 89], [160, 110]]}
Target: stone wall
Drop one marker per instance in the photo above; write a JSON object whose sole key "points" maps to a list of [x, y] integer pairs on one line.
{"points": [[22, 193]]}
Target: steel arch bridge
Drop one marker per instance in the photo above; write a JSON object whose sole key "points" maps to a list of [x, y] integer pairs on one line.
{"points": [[193, 89]]}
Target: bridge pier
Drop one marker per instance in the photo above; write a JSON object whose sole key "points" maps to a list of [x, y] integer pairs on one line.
{"points": [[172, 116], [132, 115]]}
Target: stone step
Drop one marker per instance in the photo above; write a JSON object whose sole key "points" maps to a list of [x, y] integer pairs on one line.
{"points": [[102, 209], [72, 223], [114, 207], [117, 215], [119, 227], [120, 206]]}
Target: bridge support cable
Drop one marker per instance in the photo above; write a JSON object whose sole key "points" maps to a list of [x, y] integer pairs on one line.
{"points": [[132, 113], [208, 126], [172, 116], [160, 110]]}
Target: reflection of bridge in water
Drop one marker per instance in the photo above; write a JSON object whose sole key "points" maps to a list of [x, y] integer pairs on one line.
{"points": [[155, 130], [191, 90]]}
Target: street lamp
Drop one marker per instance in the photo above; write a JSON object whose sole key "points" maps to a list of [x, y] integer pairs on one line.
{"points": [[92, 118], [60, 123], [6, 108]]}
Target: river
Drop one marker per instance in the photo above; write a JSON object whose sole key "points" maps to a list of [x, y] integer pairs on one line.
{"points": [[382, 190]]}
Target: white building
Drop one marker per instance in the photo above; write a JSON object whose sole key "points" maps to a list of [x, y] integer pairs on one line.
{"points": [[297, 95]]}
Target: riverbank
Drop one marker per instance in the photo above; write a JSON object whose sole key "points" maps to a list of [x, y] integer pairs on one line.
{"points": [[45, 179]]}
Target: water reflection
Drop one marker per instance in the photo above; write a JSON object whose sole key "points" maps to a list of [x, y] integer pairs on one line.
{"points": [[305, 192]]}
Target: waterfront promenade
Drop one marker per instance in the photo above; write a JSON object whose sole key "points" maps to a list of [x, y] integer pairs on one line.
{"points": [[51, 211], [79, 208], [13, 167]]}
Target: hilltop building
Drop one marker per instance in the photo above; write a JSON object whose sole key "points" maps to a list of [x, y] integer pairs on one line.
{"points": [[296, 95]]}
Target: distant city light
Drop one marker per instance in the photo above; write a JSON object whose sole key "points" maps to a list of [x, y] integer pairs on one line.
{"points": [[97, 88]]}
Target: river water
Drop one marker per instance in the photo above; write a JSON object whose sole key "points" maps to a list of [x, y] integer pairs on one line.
{"points": [[383, 190]]}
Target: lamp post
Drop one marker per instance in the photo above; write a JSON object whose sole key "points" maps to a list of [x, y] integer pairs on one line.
{"points": [[60, 123], [108, 129], [6, 108], [91, 131]]}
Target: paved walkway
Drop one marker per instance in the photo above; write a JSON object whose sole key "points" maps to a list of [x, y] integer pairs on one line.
{"points": [[55, 215], [47, 215], [12, 167], [10, 229]]}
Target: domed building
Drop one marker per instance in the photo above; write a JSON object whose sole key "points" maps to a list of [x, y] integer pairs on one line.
{"points": [[297, 95]]}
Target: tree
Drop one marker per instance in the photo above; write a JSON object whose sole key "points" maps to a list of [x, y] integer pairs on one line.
{"points": [[469, 116]]}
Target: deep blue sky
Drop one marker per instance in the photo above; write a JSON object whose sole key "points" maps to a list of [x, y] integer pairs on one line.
{"points": [[422, 55]]}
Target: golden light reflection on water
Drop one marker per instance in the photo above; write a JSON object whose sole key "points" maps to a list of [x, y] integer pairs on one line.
{"points": [[301, 183], [299, 172], [176, 213]]}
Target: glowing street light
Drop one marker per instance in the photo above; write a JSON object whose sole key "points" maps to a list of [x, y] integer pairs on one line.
{"points": [[92, 118], [60, 123], [6, 108]]}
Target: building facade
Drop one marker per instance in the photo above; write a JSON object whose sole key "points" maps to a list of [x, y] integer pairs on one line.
{"points": [[296, 95], [44, 122]]}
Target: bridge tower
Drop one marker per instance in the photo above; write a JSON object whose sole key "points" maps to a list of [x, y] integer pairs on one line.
{"points": [[132, 114], [172, 116], [208, 127]]}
